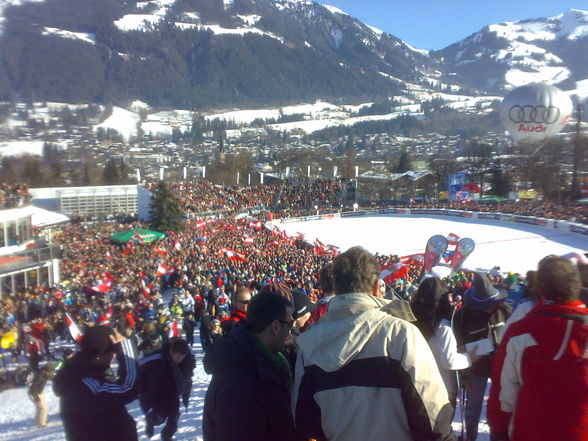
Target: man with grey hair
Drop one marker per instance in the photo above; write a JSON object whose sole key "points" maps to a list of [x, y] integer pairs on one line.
{"points": [[364, 373]]}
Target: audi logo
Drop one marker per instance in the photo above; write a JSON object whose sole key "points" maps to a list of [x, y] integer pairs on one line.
{"points": [[533, 114]]}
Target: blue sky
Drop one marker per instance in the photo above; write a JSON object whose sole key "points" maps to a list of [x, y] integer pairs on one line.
{"points": [[435, 24]]}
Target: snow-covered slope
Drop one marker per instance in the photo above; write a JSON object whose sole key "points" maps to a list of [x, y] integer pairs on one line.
{"points": [[506, 55]]}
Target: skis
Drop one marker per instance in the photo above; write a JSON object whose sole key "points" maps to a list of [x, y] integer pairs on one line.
{"points": [[463, 249], [436, 246]]}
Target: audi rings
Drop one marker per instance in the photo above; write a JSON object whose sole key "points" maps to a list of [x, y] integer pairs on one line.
{"points": [[533, 114]]}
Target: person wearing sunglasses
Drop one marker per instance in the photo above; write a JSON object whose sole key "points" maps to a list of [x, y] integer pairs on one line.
{"points": [[248, 398], [239, 307]]}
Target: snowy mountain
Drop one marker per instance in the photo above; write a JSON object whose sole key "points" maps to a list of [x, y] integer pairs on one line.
{"points": [[198, 53], [212, 54], [506, 55]]}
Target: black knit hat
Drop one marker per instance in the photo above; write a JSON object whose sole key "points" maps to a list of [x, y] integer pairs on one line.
{"points": [[96, 342]]}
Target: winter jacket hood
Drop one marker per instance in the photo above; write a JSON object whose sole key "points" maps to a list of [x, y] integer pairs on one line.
{"points": [[331, 344]]}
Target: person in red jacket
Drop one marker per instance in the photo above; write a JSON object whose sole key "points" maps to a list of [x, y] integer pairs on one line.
{"points": [[540, 375]]}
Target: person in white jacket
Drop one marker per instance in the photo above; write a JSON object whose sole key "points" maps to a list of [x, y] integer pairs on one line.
{"points": [[432, 307], [363, 373]]}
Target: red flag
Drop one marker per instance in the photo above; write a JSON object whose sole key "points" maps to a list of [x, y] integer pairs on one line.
{"points": [[255, 225], [178, 246], [332, 250], [73, 327], [128, 248], [104, 284], [272, 244], [163, 270], [318, 243], [173, 329], [138, 237], [201, 224], [160, 251], [235, 256], [248, 239], [146, 290], [452, 239], [394, 271], [413, 259]]}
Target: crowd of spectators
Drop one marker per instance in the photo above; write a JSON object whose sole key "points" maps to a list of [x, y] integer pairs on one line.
{"points": [[146, 290], [524, 207], [300, 197], [13, 195]]}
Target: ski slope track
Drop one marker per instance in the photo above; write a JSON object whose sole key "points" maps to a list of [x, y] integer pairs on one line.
{"points": [[513, 247]]}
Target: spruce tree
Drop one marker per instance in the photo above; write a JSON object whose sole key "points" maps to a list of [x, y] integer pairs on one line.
{"points": [[404, 164], [166, 214]]}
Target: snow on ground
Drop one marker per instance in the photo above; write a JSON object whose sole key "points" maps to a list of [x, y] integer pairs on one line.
{"points": [[17, 148], [138, 22], [121, 120], [546, 74], [513, 247], [219, 30], [17, 412], [84, 36], [17, 415]]}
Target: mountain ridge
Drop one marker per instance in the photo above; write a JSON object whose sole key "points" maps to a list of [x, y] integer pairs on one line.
{"points": [[203, 54]]}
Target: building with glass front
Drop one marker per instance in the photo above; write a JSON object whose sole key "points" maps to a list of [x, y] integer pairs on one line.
{"points": [[97, 201], [24, 261]]}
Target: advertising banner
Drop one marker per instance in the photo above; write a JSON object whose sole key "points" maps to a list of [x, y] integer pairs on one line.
{"points": [[489, 216], [454, 184]]}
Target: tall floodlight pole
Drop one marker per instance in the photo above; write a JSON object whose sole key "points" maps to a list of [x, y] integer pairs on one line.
{"points": [[575, 194]]}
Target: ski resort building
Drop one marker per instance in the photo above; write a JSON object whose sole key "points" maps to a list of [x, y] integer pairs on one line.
{"points": [[24, 260], [96, 201]]}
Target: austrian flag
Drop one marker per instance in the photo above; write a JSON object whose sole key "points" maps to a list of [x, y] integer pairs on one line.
{"points": [[163, 270], [453, 238], [160, 251], [235, 256], [201, 224], [256, 225], [73, 327]]}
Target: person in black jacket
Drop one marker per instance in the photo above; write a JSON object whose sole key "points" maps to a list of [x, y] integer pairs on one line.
{"points": [[248, 398], [165, 376], [188, 326], [478, 328], [92, 407], [37, 396]]}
